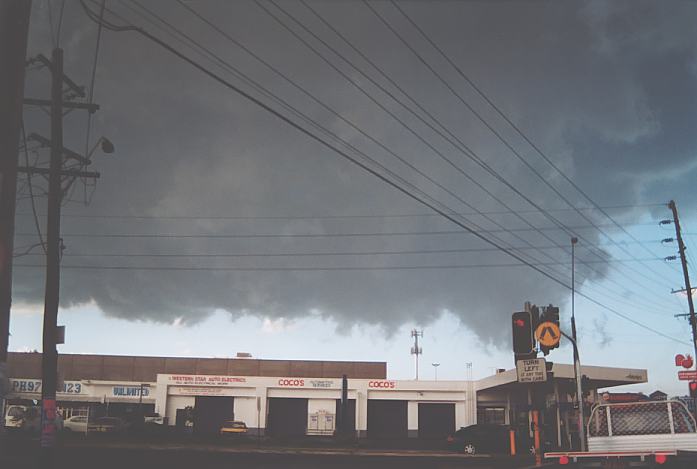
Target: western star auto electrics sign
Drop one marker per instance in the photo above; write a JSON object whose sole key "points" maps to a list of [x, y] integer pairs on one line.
{"points": [[531, 371], [205, 380]]}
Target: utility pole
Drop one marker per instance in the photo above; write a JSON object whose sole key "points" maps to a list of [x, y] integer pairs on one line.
{"points": [[14, 30], [683, 259], [56, 173], [416, 350], [51, 294]]}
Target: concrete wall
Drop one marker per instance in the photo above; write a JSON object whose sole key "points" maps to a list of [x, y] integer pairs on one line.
{"points": [[246, 411]]}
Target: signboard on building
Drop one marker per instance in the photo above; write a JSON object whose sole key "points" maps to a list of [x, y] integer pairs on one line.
{"points": [[687, 375], [33, 386], [130, 391], [382, 384], [201, 391], [531, 371], [205, 380]]}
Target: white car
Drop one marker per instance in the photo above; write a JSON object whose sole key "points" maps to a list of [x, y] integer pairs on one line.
{"points": [[14, 417], [76, 424], [154, 418]]}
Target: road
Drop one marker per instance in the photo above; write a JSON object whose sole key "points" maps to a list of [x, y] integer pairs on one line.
{"points": [[108, 455]]}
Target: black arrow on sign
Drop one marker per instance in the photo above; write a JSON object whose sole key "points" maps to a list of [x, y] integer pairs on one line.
{"points": [[548, 330]]}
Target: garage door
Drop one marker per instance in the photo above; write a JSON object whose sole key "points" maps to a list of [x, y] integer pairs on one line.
{"points": [[387, 419], [287, 417], [436, 420], [210, 413]]}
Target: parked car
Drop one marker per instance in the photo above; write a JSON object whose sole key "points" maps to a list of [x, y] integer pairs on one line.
{"points": [[154, 418], [233, 428], [107, 425], [76, 424], [14, 416], [23, 418], [481, 438]]}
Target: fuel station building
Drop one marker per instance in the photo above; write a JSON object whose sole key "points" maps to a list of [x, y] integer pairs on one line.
{"points": [[294, 398]]}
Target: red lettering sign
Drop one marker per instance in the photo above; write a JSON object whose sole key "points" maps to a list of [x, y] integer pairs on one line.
{"points": [[382, 384], [291, 382]]}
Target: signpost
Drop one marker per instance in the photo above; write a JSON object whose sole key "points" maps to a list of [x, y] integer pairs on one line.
{"points": [[531, 371]]}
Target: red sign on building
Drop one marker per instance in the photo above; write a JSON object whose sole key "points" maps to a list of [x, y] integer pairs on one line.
{"points": [[687, 375]]}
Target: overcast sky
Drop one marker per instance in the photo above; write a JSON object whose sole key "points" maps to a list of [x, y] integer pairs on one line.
{"points": [[216, 227]]}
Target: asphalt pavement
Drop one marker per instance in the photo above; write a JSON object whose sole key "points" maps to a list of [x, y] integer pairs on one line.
{"points": [[108, 454]]}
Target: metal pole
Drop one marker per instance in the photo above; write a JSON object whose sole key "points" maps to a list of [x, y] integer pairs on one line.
{"points": [[416, 343], [14, 29], [579, 392], [49, 353], [577, 363]]}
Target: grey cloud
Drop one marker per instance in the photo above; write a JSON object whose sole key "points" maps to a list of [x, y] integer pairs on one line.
{"points": [[186, 146]]}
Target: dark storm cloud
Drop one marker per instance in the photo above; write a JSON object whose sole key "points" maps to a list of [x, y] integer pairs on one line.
{"points": [[611, 107]]}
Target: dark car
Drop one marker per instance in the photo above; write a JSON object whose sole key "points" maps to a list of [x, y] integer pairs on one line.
{"points": [[481, 438], [107, 425]]}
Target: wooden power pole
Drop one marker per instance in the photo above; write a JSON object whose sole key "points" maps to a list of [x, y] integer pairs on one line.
{"points": [[683, 259]]}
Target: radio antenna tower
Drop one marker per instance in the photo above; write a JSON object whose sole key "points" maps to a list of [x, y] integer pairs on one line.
{"points": [[416, 350]]}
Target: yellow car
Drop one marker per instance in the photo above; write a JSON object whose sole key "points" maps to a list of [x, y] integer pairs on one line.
{"points": [[233, 428]]}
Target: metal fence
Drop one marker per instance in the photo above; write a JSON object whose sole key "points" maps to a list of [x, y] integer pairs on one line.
{"points": [[640, 418]]}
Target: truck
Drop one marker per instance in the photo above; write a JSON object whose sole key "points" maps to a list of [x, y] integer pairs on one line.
{"points": [[647, 433]]}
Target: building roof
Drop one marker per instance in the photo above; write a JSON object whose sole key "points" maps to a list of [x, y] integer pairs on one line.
{"points": [[145, 369], [600, 376]]}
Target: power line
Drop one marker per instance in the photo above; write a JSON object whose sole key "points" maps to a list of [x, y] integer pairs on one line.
{"points": [[169, 25], [293, 268], [330, 217], [462, 147], [434, 205], [266, 92], [283, 103], [37, 224], [301, 235], [468, 152], [339, 116], [514, 127], [321, 254], [498, 135]]}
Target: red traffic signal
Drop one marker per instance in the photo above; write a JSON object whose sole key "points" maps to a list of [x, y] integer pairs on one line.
{"points": [[523, 341], [693, 389]]}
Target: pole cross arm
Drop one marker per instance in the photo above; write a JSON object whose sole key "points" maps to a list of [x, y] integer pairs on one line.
{"points": [[67, 152], [92, 108], [79, 90], [64, 172]]}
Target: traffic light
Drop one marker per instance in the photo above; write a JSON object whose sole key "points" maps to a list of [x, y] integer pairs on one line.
{"points": [[549, 314], [693, 389], [523, 341]]}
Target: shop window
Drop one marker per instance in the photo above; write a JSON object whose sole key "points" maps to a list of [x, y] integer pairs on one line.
{"points": [[492, 415]]}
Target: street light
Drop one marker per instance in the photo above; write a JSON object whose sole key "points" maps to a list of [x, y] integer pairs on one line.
{"points": [[435, 369]]}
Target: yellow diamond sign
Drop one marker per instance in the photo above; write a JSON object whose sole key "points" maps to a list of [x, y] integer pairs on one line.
{"points": [[548, 334]]}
